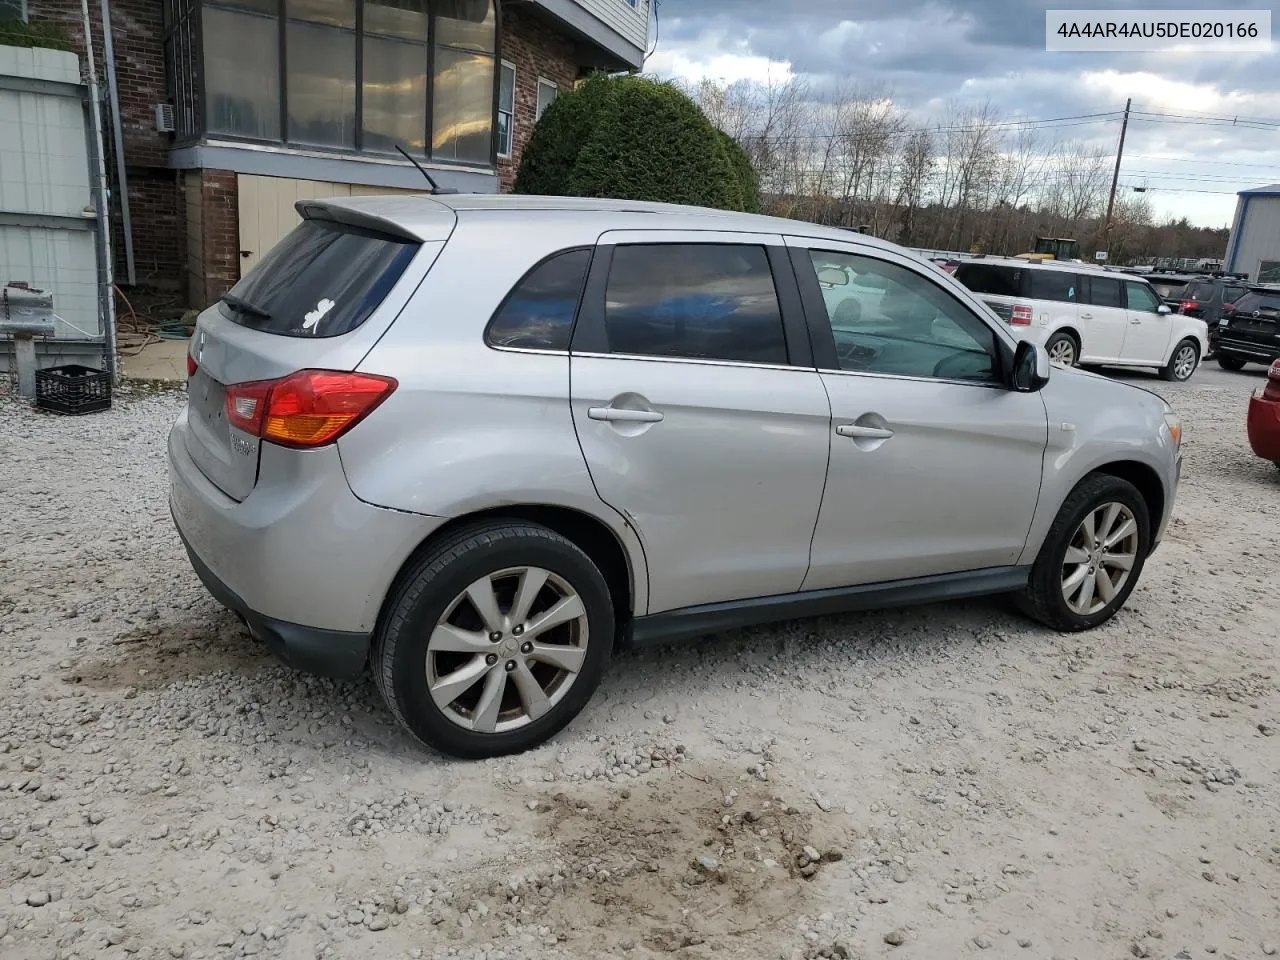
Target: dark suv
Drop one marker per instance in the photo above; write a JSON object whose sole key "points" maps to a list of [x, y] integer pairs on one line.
{"points": [[1207, 297], [1250, 330], [1171, 286]]}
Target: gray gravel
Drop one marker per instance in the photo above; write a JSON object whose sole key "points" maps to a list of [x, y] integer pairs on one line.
{"points": [[951, 779]]}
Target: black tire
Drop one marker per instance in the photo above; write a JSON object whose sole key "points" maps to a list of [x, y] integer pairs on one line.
{"points": [[442, 574], [1170, 370], [1234, 364], [1060, 338], [1042, 598]]}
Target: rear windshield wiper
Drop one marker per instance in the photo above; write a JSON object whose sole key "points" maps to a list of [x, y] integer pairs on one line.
{"points": [[244, 306]]}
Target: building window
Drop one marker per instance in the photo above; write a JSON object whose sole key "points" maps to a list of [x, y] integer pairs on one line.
{"points": [[547, 93], [13, 10], [1269, 271], [350, 75], [506, 109]]}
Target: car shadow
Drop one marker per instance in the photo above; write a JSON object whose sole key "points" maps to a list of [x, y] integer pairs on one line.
{"points": [[346, 721]]}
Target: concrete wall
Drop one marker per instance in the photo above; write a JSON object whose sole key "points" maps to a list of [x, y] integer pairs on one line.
{"points": [[44, 172]]}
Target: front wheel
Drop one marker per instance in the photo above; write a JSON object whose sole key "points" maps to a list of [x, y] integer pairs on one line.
{"points": [[1092, 556], [1182, 363], [495, 640], [1234, 364]]}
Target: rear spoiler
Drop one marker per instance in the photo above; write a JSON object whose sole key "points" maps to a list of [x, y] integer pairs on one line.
{"points": [[368, 216]]}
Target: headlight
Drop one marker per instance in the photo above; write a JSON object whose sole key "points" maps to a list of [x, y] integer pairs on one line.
{"points": [[1175, 427]]}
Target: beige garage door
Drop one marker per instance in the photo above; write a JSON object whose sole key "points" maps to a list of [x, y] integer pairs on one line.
{"points": [[267, 214]]}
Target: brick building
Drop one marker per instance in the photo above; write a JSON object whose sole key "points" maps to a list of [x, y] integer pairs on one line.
{"points": [[232, 110]]}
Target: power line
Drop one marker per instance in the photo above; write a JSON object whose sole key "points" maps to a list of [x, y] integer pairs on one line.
{"points": [[1217, 163], [1048, 124]]}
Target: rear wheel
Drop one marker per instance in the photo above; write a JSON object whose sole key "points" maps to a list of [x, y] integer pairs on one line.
{"points": [[1230, 363], [1182, 362], [1063, 350], [1092, 556], [495, 641]]}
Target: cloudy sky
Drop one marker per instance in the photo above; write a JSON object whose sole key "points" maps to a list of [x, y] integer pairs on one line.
{"points": [[928, 52]]}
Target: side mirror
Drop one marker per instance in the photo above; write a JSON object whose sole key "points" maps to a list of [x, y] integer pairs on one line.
{"points": [[1030, 368], [1164, 308]]}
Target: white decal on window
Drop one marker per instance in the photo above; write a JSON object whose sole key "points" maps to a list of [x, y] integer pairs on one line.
{"points": [[312, 319]]}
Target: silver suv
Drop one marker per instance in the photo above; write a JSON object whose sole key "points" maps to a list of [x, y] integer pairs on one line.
{"points": [[475, 443]]}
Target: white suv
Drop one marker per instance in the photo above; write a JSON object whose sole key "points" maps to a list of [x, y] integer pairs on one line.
{"points": [[1086, 314]]}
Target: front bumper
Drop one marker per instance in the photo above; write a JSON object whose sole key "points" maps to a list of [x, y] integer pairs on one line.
{"points": [[302, 559]]}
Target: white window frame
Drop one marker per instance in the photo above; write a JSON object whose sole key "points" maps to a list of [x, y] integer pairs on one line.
{"points": [[538, 107], [511, 124]]}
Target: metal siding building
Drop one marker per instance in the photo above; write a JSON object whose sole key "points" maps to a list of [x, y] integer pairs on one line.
{"points": [[1254, 245]]}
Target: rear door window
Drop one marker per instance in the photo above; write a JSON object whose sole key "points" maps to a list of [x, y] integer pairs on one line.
{"points": [[323, 279], [1106, 292], [990, 279], [538, 314], [694, 300], [1052, 285]]}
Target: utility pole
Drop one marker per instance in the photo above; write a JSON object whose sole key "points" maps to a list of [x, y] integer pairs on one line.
{"points": [[1115, 176]]}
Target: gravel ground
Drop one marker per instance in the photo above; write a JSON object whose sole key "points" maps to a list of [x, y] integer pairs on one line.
{"points": [[941, 782]]}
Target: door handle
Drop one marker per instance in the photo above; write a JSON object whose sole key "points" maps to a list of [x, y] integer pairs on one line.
{"points": [[622, 415], [1086, 316], [863, 433], [1137, 320]]}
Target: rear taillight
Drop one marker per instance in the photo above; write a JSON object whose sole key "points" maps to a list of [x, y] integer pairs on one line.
{"points": [[1271, 391], [1021, 316], [1228, 308], [1188, 305], [306, 409], [192, 366]]}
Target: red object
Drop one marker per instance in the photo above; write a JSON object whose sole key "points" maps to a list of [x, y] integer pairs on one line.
{"points": [[1021, 316], [1228, 308], [1264, 418], [1188, 305], [310, 408], [192, 367]]}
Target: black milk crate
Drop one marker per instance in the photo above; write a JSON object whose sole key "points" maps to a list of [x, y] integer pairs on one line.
{"points": [[73, 389]]}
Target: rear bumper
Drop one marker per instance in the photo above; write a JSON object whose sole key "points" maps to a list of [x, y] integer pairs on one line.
{"points": [[327, 653], [302, 559], [1234, 347], [1264, 428]]}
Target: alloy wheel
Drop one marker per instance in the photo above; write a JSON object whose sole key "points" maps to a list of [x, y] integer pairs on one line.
{"points": [[1063, 353], [1184, 362], [1099, 558], [507, 650]]}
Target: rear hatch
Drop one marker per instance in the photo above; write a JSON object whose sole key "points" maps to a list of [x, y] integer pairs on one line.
{"points": [[999, 286], [320, 299], [1255, 318]]}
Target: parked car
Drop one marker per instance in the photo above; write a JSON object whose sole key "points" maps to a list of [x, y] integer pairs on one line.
{"points": [[1086, 314], [1250, 332], [1264, 417], [1208, 298], [478, 442], [1170, 287]]}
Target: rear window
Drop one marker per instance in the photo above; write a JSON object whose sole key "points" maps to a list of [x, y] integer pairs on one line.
{"points": [[1170, 290], [322, 280], [1253, 302], [990, 279], [1200, 292], [1052, 285]]}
